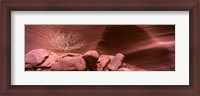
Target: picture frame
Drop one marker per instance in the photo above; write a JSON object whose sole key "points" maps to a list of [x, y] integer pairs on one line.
{"points": [[119, 5]]}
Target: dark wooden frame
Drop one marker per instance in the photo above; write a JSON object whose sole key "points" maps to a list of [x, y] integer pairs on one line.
{"points": [[193, 89]]}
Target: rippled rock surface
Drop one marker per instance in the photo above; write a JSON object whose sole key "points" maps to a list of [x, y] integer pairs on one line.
{"points": [[145, 47], [149, 47]]}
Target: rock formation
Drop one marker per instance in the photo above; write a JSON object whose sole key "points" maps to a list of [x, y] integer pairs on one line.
{"points": [[69, 64], [46, 60], [35, 57], [116, 62], [150, 47], [103, 62], [91, 58]]}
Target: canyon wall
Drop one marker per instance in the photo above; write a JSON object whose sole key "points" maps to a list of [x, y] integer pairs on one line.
{"points": [[151, 47]]}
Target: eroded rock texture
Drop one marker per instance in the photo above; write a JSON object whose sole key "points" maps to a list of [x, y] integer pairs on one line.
{"points": [[39, 59], [69, 64], [149, 47], [91, 58], [103, 62], [35, 57], [116, 62], [145, 47]]}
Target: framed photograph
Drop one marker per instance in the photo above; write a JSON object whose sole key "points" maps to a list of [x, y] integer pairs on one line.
{"points": [[122, 47]]}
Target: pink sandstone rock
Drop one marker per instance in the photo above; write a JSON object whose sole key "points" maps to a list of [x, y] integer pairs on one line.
{"points": [[35, 57], [116, 62], [69, 64], [91, 58], [102, 62], [51, 58]]}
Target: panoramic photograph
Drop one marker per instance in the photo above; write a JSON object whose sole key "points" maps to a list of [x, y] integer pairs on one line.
{"points": [[99, 48]]}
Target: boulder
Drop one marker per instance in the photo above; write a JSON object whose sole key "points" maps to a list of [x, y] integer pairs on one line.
{"points": [[35, 57], [116, 62], [91, 58], [102, 62], [69, 64], [51, 58]]}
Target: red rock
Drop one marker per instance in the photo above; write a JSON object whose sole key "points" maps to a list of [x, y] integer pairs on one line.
{"points": [[36, 57], [134, 42], [91, 58], [102, 62], [116, 62], [51, 58], [69, 64]]}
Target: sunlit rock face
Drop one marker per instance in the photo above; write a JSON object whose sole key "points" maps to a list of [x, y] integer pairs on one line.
{"points": [[149, 47]]}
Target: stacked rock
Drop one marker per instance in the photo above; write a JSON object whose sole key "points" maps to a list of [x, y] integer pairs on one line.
{"points": [[43, 60], [91, 58]]}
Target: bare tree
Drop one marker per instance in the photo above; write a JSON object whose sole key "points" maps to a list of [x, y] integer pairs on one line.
{"points": [[66, 42]]}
